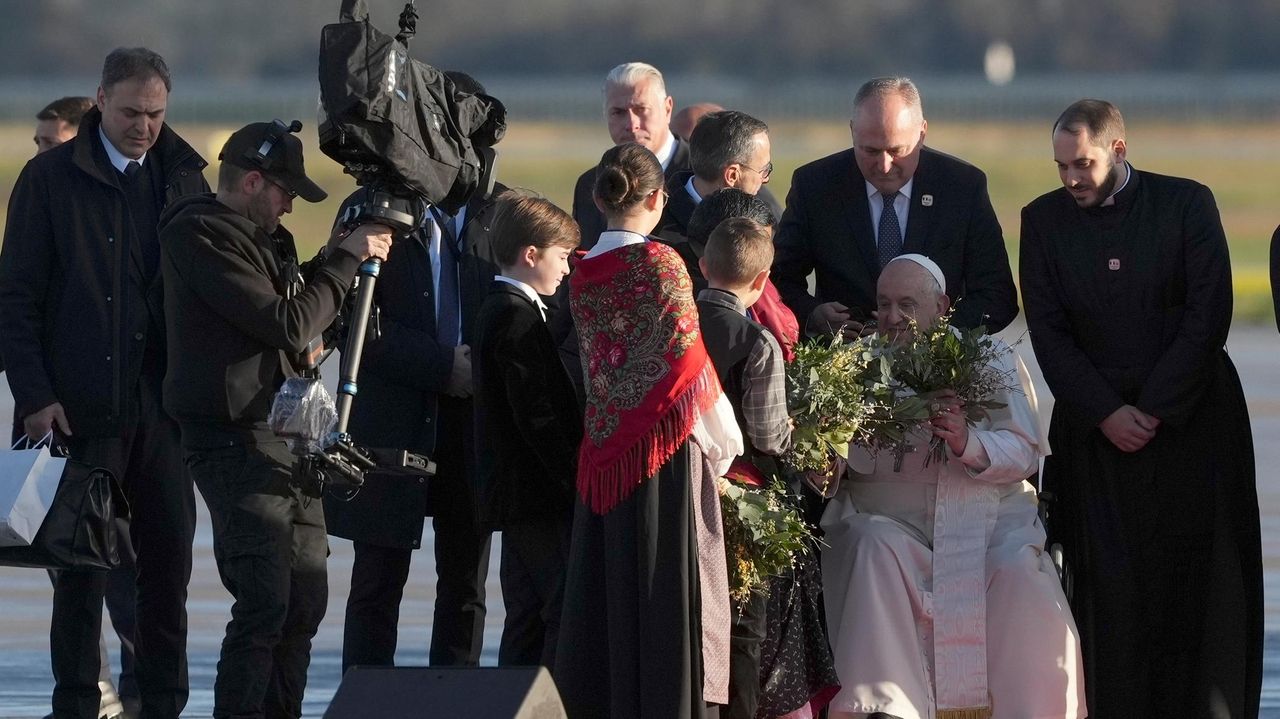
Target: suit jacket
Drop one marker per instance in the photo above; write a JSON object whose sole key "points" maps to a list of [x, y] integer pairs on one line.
{"points": [[589, 219], [826, 229], [526, 415], [404, 371]]}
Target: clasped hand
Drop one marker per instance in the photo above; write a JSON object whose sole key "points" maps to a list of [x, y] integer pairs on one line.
{"points": [[1129, 428]]}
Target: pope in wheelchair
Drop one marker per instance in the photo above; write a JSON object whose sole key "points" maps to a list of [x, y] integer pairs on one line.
{"points": [[941, 599]]}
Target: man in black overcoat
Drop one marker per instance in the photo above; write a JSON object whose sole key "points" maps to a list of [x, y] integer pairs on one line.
{"points": [[82, 333], [1127, 286], [849, 213], [415, 394]]}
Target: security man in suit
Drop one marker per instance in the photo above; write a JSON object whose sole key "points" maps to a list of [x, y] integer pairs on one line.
{"points": [[848, 214], [415, 394], [637, 108]]}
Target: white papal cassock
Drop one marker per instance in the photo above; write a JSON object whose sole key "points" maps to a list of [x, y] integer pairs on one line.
{"points": [[941, 601]]}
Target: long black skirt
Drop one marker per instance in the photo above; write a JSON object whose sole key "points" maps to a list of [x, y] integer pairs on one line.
{"points": [[630, 637], [796, 666], [1163, 554]]}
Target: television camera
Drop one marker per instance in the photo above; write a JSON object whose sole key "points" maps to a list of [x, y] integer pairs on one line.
{"points": [[412, 139]]}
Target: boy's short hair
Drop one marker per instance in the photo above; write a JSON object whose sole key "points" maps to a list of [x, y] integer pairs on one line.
{"points": [[720, 206], [522, 220], [737, 251]]}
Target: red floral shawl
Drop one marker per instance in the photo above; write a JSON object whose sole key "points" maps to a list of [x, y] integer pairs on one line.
{"points": [[648, 375]]}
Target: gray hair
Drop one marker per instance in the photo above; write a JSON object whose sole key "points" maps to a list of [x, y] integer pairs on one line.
{"points": [[882, 87], [630, 74], [721, 139], [134, 63]]}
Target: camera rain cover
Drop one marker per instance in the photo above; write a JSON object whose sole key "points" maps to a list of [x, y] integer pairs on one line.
{"points": [[303, 411], [393, 119]]}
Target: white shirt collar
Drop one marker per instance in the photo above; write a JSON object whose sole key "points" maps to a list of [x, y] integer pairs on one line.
{"points": [[693, 192], [1128, 173], [905, 191], [613, 239], [118, 160], [529, 291], [668, 150]]}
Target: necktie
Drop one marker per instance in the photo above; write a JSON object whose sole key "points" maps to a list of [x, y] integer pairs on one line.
{"points": [[132, 169], [448, 317], [890, 240]]}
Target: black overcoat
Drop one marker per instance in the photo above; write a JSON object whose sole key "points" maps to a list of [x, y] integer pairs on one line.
{"points": [[74, 301], [402, 375]]}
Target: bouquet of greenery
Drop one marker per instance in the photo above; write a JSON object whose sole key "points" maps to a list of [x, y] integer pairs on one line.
{"points": [[836, 391], [937, 359], [763, 532]]}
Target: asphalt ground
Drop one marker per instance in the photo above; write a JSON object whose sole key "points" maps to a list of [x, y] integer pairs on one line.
{"points": [[25, 595]]}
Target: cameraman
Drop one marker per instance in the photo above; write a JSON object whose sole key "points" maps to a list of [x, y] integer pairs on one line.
{"points": [[238, 308]]}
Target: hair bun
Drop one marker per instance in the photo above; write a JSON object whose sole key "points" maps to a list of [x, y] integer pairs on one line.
{"points": [[613, 185], [625, 175]]}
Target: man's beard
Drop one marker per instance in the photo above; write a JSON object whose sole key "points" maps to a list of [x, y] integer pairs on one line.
{"points": [[260, 212], [1108, 185]]}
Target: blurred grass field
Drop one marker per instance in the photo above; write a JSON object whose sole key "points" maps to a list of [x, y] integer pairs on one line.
{"points": [[1239, 162]]}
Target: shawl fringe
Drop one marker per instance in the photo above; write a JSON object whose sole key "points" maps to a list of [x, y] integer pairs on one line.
{"points": [[604, 487], [969, 713]]}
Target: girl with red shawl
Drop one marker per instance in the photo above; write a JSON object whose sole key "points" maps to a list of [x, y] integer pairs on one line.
{"points": [[645, 630]]}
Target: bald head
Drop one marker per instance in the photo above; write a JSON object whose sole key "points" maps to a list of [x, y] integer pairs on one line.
{"points": [[908, 291], [683, 122]]}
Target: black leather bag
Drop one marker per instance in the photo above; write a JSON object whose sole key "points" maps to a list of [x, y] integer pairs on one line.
{"points": [[390, 118], [80, 531]]}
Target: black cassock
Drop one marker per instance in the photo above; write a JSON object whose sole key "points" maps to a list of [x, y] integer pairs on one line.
{"points": [[1131, 304]]}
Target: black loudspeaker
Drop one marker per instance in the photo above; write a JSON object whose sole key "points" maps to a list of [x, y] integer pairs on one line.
{"points": [[425, 692]]}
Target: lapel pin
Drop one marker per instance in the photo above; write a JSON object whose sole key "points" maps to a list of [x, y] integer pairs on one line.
{"points": [[1113, 264], [926, 200]]}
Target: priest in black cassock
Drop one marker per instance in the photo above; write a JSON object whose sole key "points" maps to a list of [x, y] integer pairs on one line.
{"points": [[1127, 288]]}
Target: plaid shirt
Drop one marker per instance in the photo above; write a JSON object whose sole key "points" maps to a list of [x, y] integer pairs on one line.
{"points": [[764, 383]]}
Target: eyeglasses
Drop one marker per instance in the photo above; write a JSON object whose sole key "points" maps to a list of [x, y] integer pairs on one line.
{"points": [[665, 196], [287, 192], [764, 172]]}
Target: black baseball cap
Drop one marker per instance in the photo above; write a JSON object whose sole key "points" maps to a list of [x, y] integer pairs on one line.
{"points": [[272, 149]]}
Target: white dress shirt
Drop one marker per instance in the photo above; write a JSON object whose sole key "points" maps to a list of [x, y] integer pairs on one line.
{"points": [[693, 192], [529, 292], [118, 160], [667, 151]]}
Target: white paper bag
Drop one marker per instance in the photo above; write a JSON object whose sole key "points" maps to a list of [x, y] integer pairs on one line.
{"points": [[28, 481]]}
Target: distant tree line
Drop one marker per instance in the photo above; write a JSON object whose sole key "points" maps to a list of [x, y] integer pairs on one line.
{"points": [[770, 39]]}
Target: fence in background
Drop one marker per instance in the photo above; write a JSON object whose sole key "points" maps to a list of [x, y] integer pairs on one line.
{"points": [[1173, 98]]}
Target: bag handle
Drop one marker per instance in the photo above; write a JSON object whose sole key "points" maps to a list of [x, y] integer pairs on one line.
{"points": [[48, 437], [353, 11]]}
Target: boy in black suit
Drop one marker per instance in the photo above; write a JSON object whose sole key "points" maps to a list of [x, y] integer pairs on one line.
{"points": [[527, 423]]}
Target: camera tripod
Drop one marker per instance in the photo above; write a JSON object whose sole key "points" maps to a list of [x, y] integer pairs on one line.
{"points": [[343, 466]]}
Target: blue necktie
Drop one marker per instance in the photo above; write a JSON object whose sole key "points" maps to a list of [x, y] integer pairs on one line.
{"points": [[448, 317], [890, 239]]}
